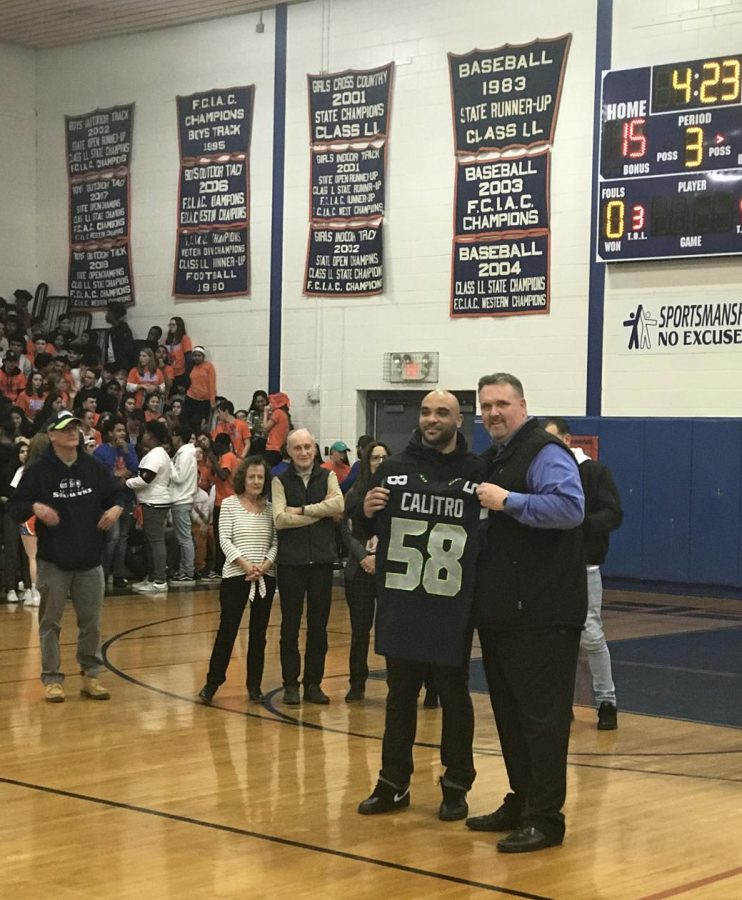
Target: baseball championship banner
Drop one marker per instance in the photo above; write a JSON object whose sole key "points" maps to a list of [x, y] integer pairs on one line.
{"points": [[505, 103], [349, 128], [98, 148], [212, 256]]}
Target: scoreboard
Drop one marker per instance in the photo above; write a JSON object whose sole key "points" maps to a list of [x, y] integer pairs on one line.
{"points": [[670, 180]]}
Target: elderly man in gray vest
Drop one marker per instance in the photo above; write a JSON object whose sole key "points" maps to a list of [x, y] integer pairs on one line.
{"points": [[306, 498]]}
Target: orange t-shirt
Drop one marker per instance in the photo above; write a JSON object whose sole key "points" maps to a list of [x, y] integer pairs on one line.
{"points": [[31, 405], [177, 353], [225, 488], [135, 377], [239, 434], [341, 470], [278, 434], [203, 383]]}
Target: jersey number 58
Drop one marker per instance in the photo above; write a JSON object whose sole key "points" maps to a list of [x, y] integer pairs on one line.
{"points": [[438, 570]]}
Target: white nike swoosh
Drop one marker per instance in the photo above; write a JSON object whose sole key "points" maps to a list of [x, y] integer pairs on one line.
{"points": [[398, 797]]}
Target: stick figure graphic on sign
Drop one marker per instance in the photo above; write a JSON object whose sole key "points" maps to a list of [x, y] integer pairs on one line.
{"points": [[638, 322]]}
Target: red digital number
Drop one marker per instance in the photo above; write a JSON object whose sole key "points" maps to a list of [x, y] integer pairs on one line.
{"points": [[633, 141], [638, 217]]}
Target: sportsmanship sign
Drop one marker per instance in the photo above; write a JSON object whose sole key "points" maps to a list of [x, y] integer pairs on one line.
{"points": [[349, 128], [98, 156], [505, 105], [212, 250]]}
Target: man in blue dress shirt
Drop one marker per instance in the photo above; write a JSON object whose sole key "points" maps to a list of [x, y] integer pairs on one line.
{"points": [[529, 608]]}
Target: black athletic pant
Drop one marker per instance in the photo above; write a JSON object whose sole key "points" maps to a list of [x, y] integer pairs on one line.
{"points": [[405, 678]]}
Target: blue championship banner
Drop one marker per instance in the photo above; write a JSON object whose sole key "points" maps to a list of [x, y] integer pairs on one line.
{"points": [[99, 274], [99, 140], [348, 184], [350, 106], [349, 126], [502, 195], [212, 251], [507, 97], [99, 208], [98, 146], [345, 261], [213, 262], [216, 121], [501, 276]]}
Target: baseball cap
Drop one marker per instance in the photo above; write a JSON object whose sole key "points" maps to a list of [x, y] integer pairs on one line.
{"points": [[61, 420], [341, 446]]}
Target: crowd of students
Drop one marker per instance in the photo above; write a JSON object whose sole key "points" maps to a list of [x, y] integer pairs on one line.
{"points": [[150, 412]]}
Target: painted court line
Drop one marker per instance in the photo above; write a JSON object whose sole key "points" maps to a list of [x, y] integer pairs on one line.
{"points": [[270, 838], [692, 885]]}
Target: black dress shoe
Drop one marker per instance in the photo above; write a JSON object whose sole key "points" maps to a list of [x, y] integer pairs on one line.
{"points": [[206, 694], [527, 839], [607, 717], [385, 798], [502, 819], [313, 693], [255, 694], [355, 694]]}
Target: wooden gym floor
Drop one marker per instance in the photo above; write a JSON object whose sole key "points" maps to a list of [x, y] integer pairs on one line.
{"points": [[153, 795]]}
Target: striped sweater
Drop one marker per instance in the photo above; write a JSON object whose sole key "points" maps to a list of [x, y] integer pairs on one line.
{"points": [[251, 536]]}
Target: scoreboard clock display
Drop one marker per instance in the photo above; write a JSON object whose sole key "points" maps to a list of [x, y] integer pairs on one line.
{"points": [[670, 179]]}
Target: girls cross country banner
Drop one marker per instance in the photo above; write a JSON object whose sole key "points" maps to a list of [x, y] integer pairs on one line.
{"points": [[212, 256], [505, 105], [98, 148], [349, 129]]}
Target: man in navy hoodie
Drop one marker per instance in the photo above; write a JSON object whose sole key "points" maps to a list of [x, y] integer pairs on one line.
{"points": [[75, 500], [425, 512]]}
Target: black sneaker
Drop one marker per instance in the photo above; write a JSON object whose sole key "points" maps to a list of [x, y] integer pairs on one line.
{"points": [[355, 694], [255, 695], [385, 798], [206, 694], [607, 717], [120, 582], [454, 806], [291, 695]]}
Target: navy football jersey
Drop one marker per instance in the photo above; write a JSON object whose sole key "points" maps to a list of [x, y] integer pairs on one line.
{"points": [[425, 567]]}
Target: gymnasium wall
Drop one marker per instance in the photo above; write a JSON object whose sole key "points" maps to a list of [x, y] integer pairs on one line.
{"points": [[338, 345], [18, 210], [150, 70], [688, 380]]}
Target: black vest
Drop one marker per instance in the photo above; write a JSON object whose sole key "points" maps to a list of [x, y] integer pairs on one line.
{"points": [[310, 544], [528, 577]]}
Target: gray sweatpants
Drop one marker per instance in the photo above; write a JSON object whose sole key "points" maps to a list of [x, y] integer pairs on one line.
{"points": [[86, 589]]}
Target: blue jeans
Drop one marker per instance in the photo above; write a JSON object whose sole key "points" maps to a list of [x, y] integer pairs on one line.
{"points": [[182, 526], [593, 642]]}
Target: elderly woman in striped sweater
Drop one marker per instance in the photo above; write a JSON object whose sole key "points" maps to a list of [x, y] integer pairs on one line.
{"points": [[248, 539]]}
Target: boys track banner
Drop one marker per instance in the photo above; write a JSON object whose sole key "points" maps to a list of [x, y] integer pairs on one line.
{"points": [[349, 129], [212, 255], [505, 104], [98, 148]]}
